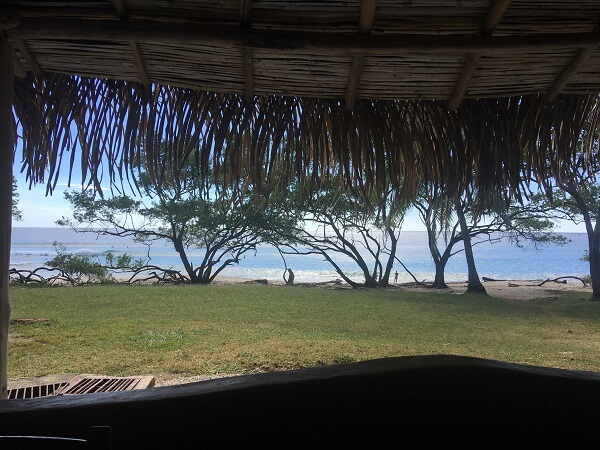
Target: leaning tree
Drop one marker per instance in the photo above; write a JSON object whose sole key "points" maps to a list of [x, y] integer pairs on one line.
{"points": [[448, 222], [191, 213], [345, 225]]}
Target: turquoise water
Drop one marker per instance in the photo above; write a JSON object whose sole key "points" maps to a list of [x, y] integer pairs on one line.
{"points": [[32, 247]]}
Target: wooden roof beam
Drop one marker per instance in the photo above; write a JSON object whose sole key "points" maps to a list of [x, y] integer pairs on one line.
{"points": [[248, 61], [19, 69], [247, 53], [562, 79], [29, 58], [246, 13], [121, 8], [486, 28], [326, 43], [9, 20], [365, 22], [139, 63]]}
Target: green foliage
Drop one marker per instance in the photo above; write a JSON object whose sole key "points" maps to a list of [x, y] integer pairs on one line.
{"points": [[191, 215], [586, 278], [124, 261], [348, 226], [88, 209], [16, 214], [82, 269], [492, 221], [530, 222], [79, 268]]}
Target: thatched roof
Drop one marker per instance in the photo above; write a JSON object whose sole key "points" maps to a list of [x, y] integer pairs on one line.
{"points": [[451, 91]]}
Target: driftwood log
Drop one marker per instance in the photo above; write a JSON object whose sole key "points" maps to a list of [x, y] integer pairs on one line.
{"points": [[407, 402], [561, 280]]}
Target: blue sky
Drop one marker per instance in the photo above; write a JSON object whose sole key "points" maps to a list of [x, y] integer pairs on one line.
{"points": [[40, 210]]}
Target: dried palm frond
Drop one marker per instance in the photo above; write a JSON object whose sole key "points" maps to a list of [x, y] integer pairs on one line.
{"points": [[108, 125]]}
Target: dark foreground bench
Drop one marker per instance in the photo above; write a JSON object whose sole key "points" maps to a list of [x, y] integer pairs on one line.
{"points": [[407, 402]]}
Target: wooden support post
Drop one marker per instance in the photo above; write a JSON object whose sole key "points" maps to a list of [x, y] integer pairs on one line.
{"points": [[6, 161]]}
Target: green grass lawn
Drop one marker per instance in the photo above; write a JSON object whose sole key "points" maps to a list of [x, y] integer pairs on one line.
{"points": [[206, 330]]}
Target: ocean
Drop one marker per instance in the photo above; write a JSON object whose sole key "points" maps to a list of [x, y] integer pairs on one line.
{"points": [[32, 247]]}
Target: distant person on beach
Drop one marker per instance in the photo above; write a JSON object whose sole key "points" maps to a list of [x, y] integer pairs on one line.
{"points": [[290, 280], [396, 276]]}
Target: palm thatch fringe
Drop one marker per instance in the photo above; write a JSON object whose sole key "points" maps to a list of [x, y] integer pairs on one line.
{"points": [[110, 125]]}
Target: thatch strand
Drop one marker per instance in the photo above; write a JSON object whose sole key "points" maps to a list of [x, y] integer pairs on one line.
{"points": [[108, 127]]}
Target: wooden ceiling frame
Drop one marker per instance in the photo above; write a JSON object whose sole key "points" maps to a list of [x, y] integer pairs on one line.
{"points": [[325, 43], [140, 66], [9, 20], [247, 53], [31, 31], [583, 56], [29, 58], [19, 69], [486, 28], [367, 15]]}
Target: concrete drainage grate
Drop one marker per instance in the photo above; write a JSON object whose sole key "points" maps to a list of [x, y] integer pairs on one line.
{"points": [[89, 385], [81, 384], [44, 390]]}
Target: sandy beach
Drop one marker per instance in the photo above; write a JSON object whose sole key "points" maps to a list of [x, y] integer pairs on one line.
{"points": [[515, 289], [508, 289]]}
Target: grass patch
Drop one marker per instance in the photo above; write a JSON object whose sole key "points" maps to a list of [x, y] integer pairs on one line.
{"points": [[203, 330]]}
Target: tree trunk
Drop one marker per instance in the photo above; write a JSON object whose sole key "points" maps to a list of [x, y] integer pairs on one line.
{"points": [[189, 269], [440, 279], [371, 280], [385, 281], [440, 262], [594, 256], [6, 158], [474, 285]]}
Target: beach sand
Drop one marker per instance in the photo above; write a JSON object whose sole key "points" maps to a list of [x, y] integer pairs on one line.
{"points": [[508, 289], [516, 289]]}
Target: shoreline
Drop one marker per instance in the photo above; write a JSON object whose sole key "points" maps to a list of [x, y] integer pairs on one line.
{"points": [[506, 289], [512, 289]]}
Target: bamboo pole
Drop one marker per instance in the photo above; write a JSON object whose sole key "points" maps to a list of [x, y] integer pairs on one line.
{"points": [[6, 160]]}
